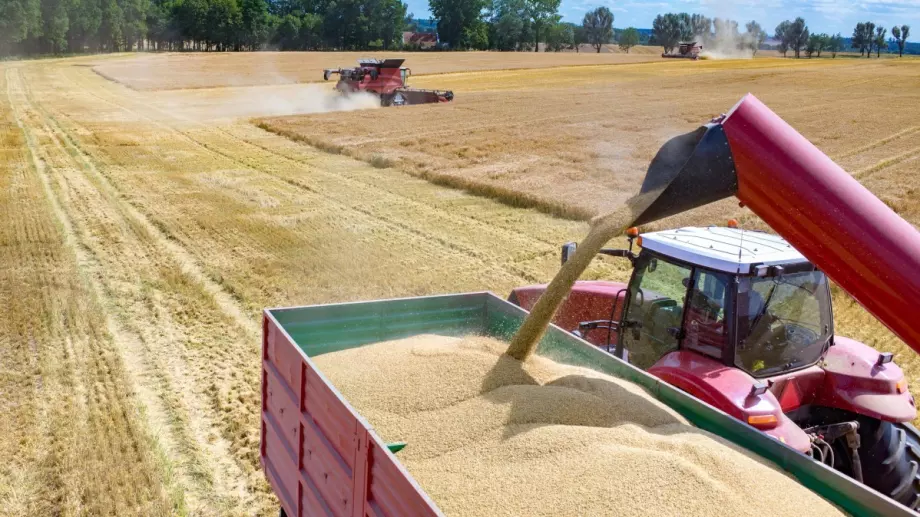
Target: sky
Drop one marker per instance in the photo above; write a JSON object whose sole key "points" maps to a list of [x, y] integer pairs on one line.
{"points": [[830, 16]]}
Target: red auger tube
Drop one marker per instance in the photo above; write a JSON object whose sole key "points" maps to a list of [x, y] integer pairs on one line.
{"points": [[841, 227]]}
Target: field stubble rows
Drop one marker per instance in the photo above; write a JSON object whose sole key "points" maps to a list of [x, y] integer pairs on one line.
{"points": [[183, 230]]}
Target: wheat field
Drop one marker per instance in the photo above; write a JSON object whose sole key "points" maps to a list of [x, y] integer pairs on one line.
{"points": [[143, 232]]}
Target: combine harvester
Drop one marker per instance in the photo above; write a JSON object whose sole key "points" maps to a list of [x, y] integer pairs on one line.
{"points": [[387, 79], [734, 329], [687, 50]]}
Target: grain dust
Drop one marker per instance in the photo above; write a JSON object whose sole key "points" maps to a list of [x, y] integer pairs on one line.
{"points": [[489, 435]]}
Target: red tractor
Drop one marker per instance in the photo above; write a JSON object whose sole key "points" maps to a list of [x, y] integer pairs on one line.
{"points": [[387, 79], [743, 319]]}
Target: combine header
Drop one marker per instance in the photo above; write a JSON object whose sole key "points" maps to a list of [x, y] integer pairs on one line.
{"points": [[387, 79], [687, 50]]}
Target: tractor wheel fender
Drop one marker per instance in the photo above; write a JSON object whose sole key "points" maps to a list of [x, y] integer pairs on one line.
{"points": [[726, 388], [854, 382]]}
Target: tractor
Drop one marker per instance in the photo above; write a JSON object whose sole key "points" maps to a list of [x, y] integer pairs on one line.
{"points": [[742, 319], [387, 79]]}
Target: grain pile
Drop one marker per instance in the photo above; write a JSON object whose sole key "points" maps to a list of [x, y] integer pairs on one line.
{"points": [[489, 435]]}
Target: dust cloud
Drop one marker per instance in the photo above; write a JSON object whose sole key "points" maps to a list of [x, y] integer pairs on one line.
{"points": [[726, 46], [214, 104]]}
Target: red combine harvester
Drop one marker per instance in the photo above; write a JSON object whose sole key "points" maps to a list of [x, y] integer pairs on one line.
{"points": [[687, 50], [387, 79], [743, 320]]}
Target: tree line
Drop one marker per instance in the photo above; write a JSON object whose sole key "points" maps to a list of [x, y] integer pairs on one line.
{"points": [[29, 27], [56, 26]]}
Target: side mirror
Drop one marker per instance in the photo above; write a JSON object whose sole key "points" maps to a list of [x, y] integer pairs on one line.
{"points": [[652, 265], [568, 249]]}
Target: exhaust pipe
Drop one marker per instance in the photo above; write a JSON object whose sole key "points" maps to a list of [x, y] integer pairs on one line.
{"points": [[835, 222]]}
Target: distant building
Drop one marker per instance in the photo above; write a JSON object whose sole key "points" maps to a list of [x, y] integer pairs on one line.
{"points": [[424, 40]]}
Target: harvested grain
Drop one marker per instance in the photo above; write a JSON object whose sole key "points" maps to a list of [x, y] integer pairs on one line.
{"points": [[603, 229], [489, 435]]}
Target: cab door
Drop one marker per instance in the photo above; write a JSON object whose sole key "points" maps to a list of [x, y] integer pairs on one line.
{"points": [[654, 316]]}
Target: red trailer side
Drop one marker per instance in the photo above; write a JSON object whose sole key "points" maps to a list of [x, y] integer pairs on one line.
{"points": [[319, 456]]}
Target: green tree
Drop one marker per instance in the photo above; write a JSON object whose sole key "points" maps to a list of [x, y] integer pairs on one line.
{"points": [[391, 21], [19, 20], [835, 44], [782, 35], [507, 30], [880, 33], [455, 18], [666, 31], [598, 26], [900, 37], [134, 28], [160, 24], [628, 38], [476, 36], [858, 39], [311, 31], [863, 36], [816, 44], [754, 37], [287, 33], [559, 36], [543, 14], [798, 35], [111, 27], [580, 36], [55, 24], [254, 23]]}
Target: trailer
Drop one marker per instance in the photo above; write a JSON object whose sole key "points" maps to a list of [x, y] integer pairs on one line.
{"points": [[323, 458]]}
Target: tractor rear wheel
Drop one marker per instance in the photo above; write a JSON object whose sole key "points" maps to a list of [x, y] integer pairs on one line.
{"points": [[890, 457]]}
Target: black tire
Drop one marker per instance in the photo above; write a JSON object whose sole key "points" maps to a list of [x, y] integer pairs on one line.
{"points": [[890, 457]]}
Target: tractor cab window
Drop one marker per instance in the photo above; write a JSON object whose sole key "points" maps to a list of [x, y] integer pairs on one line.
{"points": [[784, 322], [705, 328], [404, 75], [655, 313]]}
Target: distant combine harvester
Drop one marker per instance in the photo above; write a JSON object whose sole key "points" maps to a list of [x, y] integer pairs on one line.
{"points": [[686, 50]]}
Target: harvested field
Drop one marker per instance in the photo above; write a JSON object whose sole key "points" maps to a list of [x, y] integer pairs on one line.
{"points": [[572, 141], [204, 70], [480, 426], [144, 231]]}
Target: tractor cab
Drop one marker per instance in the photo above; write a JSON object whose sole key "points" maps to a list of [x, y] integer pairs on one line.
{"points": [[744, 298]]}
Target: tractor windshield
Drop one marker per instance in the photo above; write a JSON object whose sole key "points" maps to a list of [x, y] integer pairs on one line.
{"points": [[783, 322]]}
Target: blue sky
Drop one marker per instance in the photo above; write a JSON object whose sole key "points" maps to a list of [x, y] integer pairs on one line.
{"points": [[829, 16]]}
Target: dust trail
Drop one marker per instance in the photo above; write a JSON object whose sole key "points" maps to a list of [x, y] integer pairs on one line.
{"points": [[260, 101]]}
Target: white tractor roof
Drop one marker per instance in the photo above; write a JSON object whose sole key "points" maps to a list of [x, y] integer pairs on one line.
{"points": [[723, 249]]}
